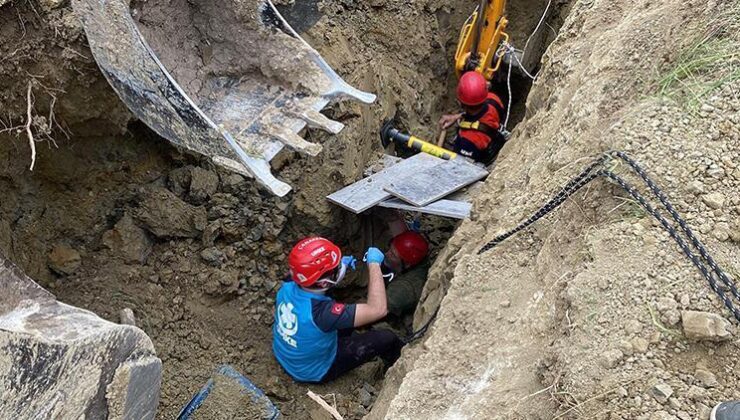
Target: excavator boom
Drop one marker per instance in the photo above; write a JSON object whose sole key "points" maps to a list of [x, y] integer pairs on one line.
{"points": [[480, 38]]}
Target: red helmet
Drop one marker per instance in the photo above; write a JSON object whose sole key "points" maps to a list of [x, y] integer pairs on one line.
{"points": [[311, 258], [472, 89], [411, 247]]}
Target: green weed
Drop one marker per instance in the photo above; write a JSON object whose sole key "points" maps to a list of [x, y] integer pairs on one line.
{"points": [[712, 61]]}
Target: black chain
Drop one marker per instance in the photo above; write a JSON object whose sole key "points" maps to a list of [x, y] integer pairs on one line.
{"points": [[575, 184], [589, 175], [681, 242], [682, 223], [421, 331]]}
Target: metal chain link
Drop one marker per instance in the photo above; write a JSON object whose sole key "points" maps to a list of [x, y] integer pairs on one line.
{"points": [[682, 223], [679, 240], [589, 175], [575, 184]]}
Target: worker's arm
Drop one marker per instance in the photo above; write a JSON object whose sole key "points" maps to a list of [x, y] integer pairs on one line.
{"points": [[448, 120], [376, 307]]}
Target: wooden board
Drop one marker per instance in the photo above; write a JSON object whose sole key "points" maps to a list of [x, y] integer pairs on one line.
{"points": [[368, 192], [433, 183], [446, 208]]}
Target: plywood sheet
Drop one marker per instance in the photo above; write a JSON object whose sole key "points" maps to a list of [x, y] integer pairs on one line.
{"points": [[446, 208], [369, 191], [431, 184]]}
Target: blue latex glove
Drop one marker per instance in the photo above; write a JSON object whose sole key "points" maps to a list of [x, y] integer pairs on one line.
{"points": [[414, 225], [373, 256], [350, 261]]}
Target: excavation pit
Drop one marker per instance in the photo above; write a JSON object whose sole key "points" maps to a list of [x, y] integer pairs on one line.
{"points": [[195, 251]]}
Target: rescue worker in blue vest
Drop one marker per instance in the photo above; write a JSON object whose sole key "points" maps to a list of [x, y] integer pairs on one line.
{"points": [[313, 335], [478, 126]]}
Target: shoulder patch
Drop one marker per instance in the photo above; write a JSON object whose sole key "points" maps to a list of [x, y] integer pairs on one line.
{"points": [[337, 308]]}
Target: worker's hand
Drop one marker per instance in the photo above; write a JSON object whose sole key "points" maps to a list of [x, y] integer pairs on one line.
{"points": [[448, 120], [350, 261], [373, 256]]}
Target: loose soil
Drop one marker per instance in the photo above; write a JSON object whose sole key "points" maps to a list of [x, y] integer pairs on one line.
{"points": [[113, 216], [580, 317], [583, 315], [228, 401]]}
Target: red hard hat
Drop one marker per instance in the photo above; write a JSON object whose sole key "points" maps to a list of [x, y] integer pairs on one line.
{"points": [[411, 247], [472, 89], [311, 258]]}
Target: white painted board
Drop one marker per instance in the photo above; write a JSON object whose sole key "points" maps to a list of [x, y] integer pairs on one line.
{"points": [[369, 191], [431, 184]]}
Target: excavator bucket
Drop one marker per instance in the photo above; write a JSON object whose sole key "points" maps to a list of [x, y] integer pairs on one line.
{"points": [[228, 79]]}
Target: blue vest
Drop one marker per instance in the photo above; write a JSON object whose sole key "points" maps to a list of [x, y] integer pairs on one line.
{"points": [[301, 348]]}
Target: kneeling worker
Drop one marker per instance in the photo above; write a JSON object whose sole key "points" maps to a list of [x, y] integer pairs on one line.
{"points": [[313, 337], [478, 136], [406, 261]]}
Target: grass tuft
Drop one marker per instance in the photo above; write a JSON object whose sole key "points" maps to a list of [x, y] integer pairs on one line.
{"points": [[712, 61]]}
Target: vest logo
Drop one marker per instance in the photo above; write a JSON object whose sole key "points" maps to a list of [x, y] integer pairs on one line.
{"points": [[287, 323], [337, 308]]}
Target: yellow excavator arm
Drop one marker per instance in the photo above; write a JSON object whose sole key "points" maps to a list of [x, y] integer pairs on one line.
{"points": [[480, 38]]}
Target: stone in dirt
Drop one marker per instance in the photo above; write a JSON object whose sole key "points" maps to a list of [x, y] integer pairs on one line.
{"points": [[64, 260], [661, 392], [706, 378], [714, 200], [705, 326], [221, 283], [178, 180], [128, 241], [166, 216], [213, 256], [633, 326], [70, 363], [126, 317], [203, 184], [639, 344], [611, 358], [366, 399]]}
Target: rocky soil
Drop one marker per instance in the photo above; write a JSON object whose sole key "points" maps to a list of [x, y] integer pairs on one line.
{"points": [[113, 217], [595, 312]]}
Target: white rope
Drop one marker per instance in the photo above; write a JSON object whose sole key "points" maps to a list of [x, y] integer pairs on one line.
{"points": [[508, 87], [537, 28], [521, 66]]}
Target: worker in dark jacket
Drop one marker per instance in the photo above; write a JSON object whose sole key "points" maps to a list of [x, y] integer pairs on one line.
{"points": [[407, 267], [478, 135], [313, 335]]}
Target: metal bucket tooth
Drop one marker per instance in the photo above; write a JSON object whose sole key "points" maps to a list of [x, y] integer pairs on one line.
{"points": [[227, 117], [294, 141], [314, 118]]}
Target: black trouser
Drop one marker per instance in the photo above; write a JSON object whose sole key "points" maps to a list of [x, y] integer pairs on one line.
{"points": [[355, 349], [485, 156]]}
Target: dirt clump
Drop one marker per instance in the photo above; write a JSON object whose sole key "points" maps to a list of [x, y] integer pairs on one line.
{"points": [[228, 401]]}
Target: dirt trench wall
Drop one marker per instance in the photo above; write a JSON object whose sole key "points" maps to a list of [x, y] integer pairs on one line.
{"points": [[115, 217], [581, 315]]}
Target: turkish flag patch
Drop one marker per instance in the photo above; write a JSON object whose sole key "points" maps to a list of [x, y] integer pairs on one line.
{"points": [[337, 308]]}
